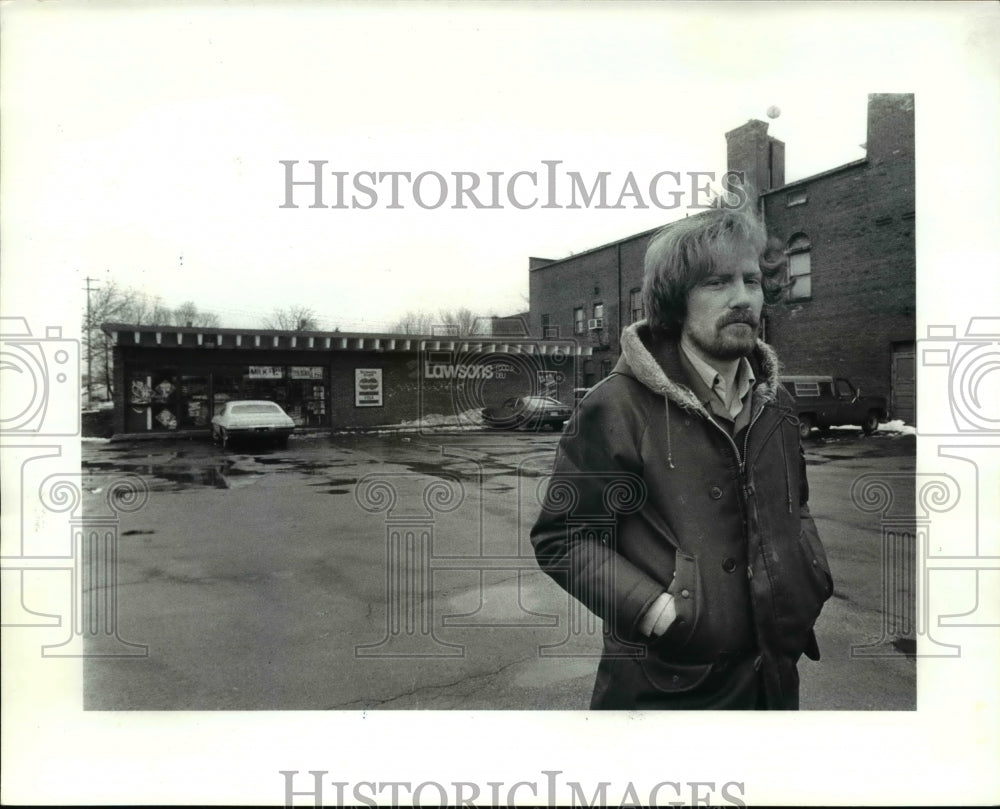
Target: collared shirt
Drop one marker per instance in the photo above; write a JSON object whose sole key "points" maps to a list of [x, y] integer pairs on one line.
{"points": [[712, 391]]}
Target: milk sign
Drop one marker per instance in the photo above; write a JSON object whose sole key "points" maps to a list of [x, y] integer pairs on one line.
{"points": [[367, 387]]}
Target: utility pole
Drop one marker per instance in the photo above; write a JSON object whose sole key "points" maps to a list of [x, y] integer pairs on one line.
{"points": [[90, 325]]}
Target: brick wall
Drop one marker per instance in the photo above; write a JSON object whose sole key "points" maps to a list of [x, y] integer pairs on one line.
{"points": [[860, 222], [603, 275]]}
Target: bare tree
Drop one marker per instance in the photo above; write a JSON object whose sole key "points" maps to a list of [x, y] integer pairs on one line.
{"points": [[413, 323], [293, 318], [464, 319], [462, 322], [187, 314], [112, 303]]}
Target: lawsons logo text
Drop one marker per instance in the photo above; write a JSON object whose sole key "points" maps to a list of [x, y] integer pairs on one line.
{"points": [[437, 370], [313, 789], [311, 184]]}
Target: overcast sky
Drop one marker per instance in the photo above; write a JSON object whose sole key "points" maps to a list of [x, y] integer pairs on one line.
{"points": [[146, 143]]}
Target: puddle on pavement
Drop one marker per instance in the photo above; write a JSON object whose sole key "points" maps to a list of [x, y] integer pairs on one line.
{"points": [[184, 470], [225, 475]]}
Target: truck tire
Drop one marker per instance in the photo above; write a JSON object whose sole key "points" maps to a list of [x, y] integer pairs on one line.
{"points": [[870, 424]]}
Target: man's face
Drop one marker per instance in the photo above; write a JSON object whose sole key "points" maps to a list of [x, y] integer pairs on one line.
{"points": [[723, 310]]}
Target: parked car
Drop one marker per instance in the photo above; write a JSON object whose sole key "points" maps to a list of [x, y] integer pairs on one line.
{"points": [[826, 401], [527, 411], [252, 419]]}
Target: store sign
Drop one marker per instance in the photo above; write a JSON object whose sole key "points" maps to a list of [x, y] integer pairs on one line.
{"points": [[300, 372], [266, 372], [548, 382], [368, 387], [449, 370]]}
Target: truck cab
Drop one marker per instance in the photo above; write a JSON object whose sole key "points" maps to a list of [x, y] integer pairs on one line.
{"points": [[827, 401]]}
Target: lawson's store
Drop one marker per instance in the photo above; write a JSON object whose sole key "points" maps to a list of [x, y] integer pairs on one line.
{"points": [[175, 378]]}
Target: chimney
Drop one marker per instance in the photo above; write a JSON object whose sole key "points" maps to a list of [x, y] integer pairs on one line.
{"points": [[890, 125], [761, 158]]}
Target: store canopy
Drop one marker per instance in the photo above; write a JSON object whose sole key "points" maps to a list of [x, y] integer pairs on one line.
{"points": [[128, 335]]}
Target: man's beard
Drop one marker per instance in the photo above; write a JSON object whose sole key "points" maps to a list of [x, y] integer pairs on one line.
{"points": [[729, 344]]}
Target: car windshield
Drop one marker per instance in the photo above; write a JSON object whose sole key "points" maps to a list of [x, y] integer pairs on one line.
{"points": [[246, 409]]}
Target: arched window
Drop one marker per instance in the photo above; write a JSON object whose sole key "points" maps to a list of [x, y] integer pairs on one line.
{"points": [[799, 268]]}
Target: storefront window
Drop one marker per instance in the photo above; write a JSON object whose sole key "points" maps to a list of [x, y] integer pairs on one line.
{"points": [[163, 399], [225, 386], [192, 410], [307, 386], [138, 399]]}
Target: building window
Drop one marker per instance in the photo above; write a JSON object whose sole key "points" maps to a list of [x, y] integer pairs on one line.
{"points": [[545, 320], [596, 323], [799, 268], [550, 332], [579, 321], [797, 197], [605, 368], [636, 309]]}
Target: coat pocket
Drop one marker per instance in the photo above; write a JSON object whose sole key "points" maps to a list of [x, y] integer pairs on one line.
{"points": [[814, 559], [804, 586], [685, 587]]}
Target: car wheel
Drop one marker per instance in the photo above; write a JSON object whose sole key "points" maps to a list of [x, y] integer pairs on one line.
{"points": [[805, 426], [282, 443], [870, 424]]}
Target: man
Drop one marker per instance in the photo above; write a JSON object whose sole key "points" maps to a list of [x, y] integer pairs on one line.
{"points": [[712, 574]]}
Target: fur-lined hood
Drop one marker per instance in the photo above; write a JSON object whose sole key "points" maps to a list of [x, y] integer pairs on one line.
{"points": [[637, 361]]}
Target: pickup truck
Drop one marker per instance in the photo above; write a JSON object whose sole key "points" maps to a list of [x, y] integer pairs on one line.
{"points": [[826, 401]]}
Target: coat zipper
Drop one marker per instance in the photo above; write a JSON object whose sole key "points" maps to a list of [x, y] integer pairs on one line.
{"points": [[746, 441], [742, 459]]}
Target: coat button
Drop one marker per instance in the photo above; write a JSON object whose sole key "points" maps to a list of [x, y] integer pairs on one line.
{"points": [[685, 594], [729, 565], [675, 679], [715, 493]]}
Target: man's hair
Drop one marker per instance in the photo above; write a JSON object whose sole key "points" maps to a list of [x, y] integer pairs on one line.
{"points": [[682, 254]]}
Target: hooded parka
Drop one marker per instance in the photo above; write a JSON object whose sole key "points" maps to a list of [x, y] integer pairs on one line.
{"points": [[650, 494]]}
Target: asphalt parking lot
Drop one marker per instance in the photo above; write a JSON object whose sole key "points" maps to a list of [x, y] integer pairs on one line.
{"points": [[394, 571]]}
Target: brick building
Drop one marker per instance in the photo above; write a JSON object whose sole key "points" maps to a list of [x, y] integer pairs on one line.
{"points": [[849, 234]]}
